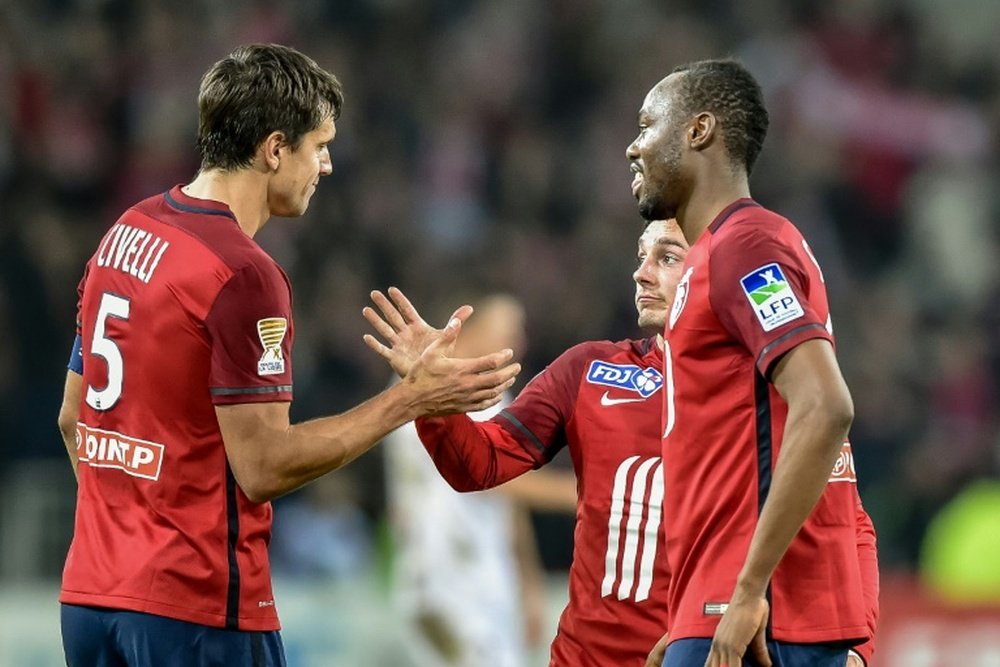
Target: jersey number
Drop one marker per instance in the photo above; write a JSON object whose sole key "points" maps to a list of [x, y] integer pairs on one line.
{"points": [[102, 346], [632, 541]]}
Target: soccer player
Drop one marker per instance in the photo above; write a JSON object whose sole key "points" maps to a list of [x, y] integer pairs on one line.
{"points": [[602, 400], [175, 412], [761, 529]]}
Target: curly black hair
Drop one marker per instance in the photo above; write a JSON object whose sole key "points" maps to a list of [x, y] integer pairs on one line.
{"points": [[728, 90]]}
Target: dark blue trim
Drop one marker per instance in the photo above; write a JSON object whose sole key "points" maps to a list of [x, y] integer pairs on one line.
{"points": [[647, 345], [728, 212], [235, 391], [762, 400], [781, 339], [765, 445], [196, 209], [76, 356], [233, 521], [523, 429]]}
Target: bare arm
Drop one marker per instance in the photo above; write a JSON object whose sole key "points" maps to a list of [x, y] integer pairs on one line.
{"points": [[820, 412], [546, 490], [69, 414], [529, 566], [270, 457]]}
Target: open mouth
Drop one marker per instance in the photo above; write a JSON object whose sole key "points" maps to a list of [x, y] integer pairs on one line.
{"points": [[637, 179]]}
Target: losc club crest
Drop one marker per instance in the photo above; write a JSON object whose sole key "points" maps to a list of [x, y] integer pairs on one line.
{"points": [[680, 296], [271, 331]]}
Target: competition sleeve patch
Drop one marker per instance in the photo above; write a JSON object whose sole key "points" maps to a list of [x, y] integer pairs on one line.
{"points": [[271, 332], [771, 296]]}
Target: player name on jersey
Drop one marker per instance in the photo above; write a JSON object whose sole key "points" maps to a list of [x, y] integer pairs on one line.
{"points": [[131, 250]]}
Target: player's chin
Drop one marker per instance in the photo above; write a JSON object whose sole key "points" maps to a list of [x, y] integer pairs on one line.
{"points": [[650, 208], [652, 320]]}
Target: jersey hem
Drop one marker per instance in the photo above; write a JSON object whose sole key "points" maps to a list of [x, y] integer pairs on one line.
{"points": [[853, 635], [166, 610]]}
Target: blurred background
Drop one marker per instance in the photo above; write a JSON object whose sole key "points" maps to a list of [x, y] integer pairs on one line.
{"points": [[482, 148]]}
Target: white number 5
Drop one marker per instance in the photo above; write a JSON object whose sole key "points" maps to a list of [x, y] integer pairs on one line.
{"points": [[115, 306]]}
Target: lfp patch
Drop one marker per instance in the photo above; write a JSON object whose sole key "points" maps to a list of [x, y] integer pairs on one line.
{"points": [[771, 296], [643, 381]]}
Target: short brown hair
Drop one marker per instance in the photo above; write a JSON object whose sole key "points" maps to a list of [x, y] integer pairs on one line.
{"points": [[256, 90]]}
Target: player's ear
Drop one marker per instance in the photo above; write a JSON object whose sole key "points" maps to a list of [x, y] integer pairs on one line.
{"points": [[270, 149], [701, 130]]}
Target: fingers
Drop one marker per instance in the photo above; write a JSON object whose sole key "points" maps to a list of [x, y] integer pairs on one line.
{"points": [[406, 309], [723, 656], [377, 347], [758, 648], [461, 313], [655, 657], [381, 326], [659, 652], [488, 362], [504, 377], [389, 310], [476, 400]]}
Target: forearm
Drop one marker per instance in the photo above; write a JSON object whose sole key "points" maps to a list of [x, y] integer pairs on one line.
{"points": [[472, 456], [546, 490], [812, 441], [69, 414], [270, 457]]}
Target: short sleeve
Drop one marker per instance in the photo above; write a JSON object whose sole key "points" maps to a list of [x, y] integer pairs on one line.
{"points": [[765, 294], [250, 328]]}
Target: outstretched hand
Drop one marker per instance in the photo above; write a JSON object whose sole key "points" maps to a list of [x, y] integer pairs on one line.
{"points": [[405, 331], [437, 382]]}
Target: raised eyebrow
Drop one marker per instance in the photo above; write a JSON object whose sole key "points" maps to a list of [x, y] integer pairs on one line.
{"points": [[666, 240]]}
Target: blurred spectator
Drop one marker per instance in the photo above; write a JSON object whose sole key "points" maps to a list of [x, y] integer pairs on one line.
{"points": [[467, 575]]}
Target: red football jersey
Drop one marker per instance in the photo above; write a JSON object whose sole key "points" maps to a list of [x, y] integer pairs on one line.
{"points": [[179, 311], [602, 400], [751, 292]]}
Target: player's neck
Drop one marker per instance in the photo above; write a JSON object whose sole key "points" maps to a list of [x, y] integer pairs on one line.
{"points": [[244, 191], [709, 197]]}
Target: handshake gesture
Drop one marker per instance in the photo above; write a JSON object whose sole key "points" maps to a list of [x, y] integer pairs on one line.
{"points": [[439, 383]]}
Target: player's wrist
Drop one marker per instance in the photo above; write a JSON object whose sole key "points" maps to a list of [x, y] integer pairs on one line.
{"points": [[749, 587]]}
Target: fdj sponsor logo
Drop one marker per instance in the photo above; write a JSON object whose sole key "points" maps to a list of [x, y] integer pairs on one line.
{"points": [[771, 296], [643, 381], [109, 449]]}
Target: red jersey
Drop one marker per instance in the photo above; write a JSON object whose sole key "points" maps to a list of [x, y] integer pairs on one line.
{"points": [[602, 400], [751, 292], [179, 312]]}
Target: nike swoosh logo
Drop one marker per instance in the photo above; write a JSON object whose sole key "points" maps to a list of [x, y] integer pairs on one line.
{"points": [[608, 401]]}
